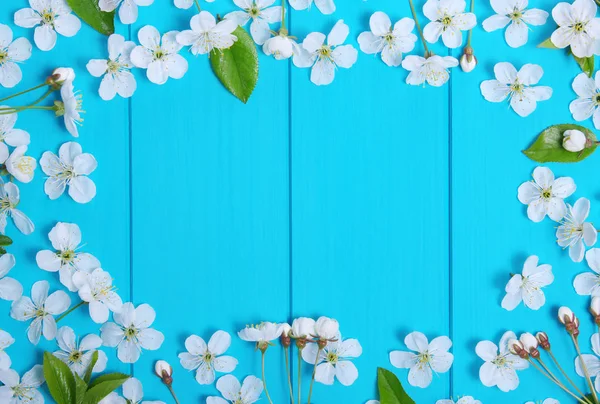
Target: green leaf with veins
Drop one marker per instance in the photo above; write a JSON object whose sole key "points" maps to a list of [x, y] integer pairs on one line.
{"points": [[547, 44], [390, 389], [89, 11], [548, 146], [59, 379], [586, 65]]}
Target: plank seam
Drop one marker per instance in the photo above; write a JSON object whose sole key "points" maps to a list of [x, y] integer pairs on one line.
{"points": [[290, 205], [130, 130], [450, 228]]}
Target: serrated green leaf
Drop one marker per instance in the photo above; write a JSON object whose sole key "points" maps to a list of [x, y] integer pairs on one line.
{"points": [[103, 386], [90, 368], [586, 64], [548, 146], [89, 11], [59, 379], [390, 389], [237, 67], [547, 44], [5, 240], [80, 389]]}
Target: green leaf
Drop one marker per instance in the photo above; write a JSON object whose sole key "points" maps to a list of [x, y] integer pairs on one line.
{"points": [[90, 368], [586, 65], [80, 389], [547, 44], [89, 11], [5, 240], [103, 386], [548, 146], [60, 380], [390, 388], [237, 67]]}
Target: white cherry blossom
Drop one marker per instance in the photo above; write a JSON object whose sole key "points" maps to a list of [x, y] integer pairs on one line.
{"points": [[334, 360], [514, 13], [578, 27], [325, 57], [20, 166], [133, 393], [71, 108], [6, 340], [462, 400], [545, 195], [66, 259], [324, 6], [69, 169], [527, 287], [588, 283], [49, 17], [11, 54], [116, 70], [433, 70], [390, 41], [517, 86], [159, 56], [9, 199], [10, 289], [78, 354], [428, 357], [592, 362], [131, 332], [128, 13], [9, 135], [208, 359], [281, 46], [500, 365], [588, 93], [574, 232], [261, 13], [23, 390], [262, 333], [234, 393], [448, 19], [40, 309], [206, 34], [96, 288]]}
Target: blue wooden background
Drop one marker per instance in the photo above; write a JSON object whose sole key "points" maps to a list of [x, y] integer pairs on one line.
{"points": [[389, 207]]}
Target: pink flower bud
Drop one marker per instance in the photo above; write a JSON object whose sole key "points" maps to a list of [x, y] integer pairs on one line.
{"points": [[543, 340], [164, 371], [565, 315], [595, 306], [528, 341]]}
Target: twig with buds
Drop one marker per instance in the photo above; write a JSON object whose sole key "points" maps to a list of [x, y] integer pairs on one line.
{"points": [[165, 372]]}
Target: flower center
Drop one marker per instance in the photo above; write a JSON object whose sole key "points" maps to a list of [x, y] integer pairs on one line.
{"points": [[75, 356], [517, 87], [515, 15], [40, 312], [66, 256], [26, 165], [254, 11], [579, 27], [159, 54], [424, 357], [131, 333], [5, 204], [113, 67], [389, 38], [324, 52], [596, 99], [22, 393], [499, 361], [446, 21], [547, 194], [3, 56], [47, 17], [332, 357]]}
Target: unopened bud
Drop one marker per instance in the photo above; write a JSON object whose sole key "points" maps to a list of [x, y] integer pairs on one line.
{"points": [[285, 338], [543, 340], [468, 61], [568, 318], [62, 75], [516, 348], [530, 343], [574, 140], [164, 371], [595, 309]]}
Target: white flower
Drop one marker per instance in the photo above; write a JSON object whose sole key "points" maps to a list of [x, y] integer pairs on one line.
{"points": [[247, 393], [262, 333], [133, 393], [70, 108], [22, 390], [334, 360], [66, 259], [281, 47], [500, 368], [429, 356], [546, 401], [261, 13], [97, 289], [128, 13], [20, 166], [588, 283], [391, 42], [433, 70], [448, 19], [52, 16], [325, 57], [514, 14], [185, 4], [574, 231], [41, 309], [592, 362], [588, 91], [130, 332], [10, 289], [578, 27], [462, 400], [116, 69], [574, 140], [9, 199], [528, 286], [159, 56], [12, 53], [303, 327], [324, 6], [327, 329], [206, 34], [62, 74], [10, 136], [78, 354], [6, 340], [518, 86], [544, 195], [70, 168], [206, 359]]}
